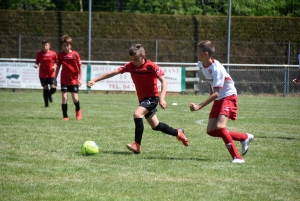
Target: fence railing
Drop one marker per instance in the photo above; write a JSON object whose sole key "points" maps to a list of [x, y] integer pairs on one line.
{"points": [[252, 79]]}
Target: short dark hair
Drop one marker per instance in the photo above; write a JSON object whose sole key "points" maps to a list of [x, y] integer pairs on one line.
{"points": [[44, 42], [207, 46], [136, 49]]}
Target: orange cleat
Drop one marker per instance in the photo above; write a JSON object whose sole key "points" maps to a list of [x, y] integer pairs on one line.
{"points": [[181, 137], [135, 147], [78, 115]]}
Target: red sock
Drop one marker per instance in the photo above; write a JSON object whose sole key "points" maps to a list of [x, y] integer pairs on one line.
{"points": [[224, 134], [238, 136]]}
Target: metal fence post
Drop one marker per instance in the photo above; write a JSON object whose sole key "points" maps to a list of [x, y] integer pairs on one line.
{"points": [[156, 49], [20, 46]]}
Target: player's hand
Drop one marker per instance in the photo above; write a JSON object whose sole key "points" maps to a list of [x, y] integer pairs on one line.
{"points": [[54, 67], [36, 66], [295, 81], [163, 104], [80, 82], [90, 84], [194, 107]]}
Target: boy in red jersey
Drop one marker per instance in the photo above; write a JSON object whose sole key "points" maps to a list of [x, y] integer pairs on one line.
{"points": [[223, 94], [71, 76], [145, 74], [46, 59]]}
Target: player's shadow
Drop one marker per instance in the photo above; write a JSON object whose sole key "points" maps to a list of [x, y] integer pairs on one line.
{"points": [[280, 138], [152, 157]]}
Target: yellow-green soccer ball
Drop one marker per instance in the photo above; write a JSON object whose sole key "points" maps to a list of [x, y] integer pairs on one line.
{"points": [[89, 148]]}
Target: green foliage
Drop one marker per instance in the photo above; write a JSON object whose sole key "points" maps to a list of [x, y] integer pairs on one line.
{"points": [[26, 4], [171, 7], [41, 158]]}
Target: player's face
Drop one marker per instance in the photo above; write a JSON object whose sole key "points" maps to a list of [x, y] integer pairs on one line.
{"points": [[67, 48], [138, 60], [201, 55], [46, 47]]}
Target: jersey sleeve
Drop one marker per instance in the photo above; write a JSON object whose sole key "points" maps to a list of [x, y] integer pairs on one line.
{"points": [[158, 70], [55, 58], [125, 68], [219, 78]]}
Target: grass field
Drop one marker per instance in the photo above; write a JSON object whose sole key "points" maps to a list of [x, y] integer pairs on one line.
{"points": [[41, 159]]}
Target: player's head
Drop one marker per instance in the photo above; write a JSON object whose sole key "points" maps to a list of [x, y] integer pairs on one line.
{"points": [[205, 48], [66, 42], [45, 45], [137, 54]]}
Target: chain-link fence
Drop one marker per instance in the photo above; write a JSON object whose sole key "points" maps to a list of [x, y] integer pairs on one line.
{"points": [[158, 50], [260, 80], [249, 79]]}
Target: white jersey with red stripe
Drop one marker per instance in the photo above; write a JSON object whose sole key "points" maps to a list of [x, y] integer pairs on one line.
{"points": [[219, 77]]}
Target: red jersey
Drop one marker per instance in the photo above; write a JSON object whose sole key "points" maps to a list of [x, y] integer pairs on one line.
{"points": [[144, 78], [46, 61], [71, 65]]}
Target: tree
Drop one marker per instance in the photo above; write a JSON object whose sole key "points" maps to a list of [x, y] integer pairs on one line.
{"points": [[26, 5]]}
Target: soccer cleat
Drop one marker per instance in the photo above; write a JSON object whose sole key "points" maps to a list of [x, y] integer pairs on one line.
{"points": [[238, 160], [181, 137], [135, 147], [66, 119], [78, 115], [245, 143]]}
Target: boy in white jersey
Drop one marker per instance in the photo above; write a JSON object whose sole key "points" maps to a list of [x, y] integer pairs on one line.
{"points": [[296, 80], [224, 97]]}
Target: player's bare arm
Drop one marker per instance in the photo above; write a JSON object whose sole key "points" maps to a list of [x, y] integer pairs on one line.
{"points": [[80, 76], [211, 98], [56, 74], [163, 104], [103, 77]]}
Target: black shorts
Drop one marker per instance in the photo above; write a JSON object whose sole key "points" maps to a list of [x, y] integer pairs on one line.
{"points": [[150, 103], [46, 81], [69, 88]]}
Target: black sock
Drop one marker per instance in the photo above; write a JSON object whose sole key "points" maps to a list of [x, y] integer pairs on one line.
{"points": [[64, 108], [77, 105], [166, 129], [45, 95], [139, 129], [52, 91]]}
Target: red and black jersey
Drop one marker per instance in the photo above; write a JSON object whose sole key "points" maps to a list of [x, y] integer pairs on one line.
{"points": [[46, 61], [144, 78], [71, 65]]}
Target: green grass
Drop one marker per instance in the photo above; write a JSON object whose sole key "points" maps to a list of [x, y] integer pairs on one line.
{"points": [[41, 160]]}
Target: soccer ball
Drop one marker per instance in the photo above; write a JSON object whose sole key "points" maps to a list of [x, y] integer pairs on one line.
{"points": [[89, 148]]}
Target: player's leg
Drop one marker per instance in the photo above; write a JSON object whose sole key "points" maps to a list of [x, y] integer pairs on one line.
{"points": [[156, 125], [45, 91], [52, 89], [74, 92], [64, 105], [138, 131]]}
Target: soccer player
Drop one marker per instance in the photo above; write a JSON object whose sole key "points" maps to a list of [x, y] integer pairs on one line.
{"points": [[223, 94], [145, 74], [71, 76], [296, 80], [46, 59]]}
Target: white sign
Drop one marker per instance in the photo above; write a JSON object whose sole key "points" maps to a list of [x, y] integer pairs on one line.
{"points": [[24, 75], [123, 82]]}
